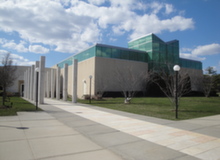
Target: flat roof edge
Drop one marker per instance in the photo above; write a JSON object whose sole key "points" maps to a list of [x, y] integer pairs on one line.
{"points": [[140, 37], [127, 49], [190, 60]]}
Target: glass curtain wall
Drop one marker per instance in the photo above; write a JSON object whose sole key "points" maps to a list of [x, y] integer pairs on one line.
{"points": [[150, 49], [80, 57], [162, 54], [186, 63], [120, 53]]}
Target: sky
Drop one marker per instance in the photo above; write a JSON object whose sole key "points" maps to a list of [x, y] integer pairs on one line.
{"points": [[58, 29]]}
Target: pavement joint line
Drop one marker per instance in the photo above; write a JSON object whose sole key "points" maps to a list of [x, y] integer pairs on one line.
{"points": [[26, 138], [66, 135], [180, 142]]}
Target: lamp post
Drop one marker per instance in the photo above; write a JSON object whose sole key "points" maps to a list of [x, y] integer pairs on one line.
{"points": [[90, 88], [176, 68], [37, 75]]}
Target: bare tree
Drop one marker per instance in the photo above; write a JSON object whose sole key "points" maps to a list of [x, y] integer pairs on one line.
{"points": [[7, 72], [210, 71], [207, 83], [102, 85], [130, 81], [165, 79]]}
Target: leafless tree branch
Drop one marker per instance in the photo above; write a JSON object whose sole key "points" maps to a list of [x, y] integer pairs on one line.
{"points": [[130, 81], [7, 72]]}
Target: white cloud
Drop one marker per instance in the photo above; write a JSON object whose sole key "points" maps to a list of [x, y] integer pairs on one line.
{"points": [[186, 50], [156, 7], [97, 2], [191, 56], [20, 47], [70, 26], [199, 52], [123, 3], [169, 8], [156, 25], [209, 49], [17, 59], [21, 61], [2, 53], [44, 22], [38, 49]]}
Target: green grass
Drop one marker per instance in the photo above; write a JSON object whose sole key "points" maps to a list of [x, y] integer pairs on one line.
{"points": [[19, 104], [189, 107]]}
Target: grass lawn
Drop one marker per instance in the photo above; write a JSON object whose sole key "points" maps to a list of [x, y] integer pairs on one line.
{"points": [[19, 104], [189, 107]]}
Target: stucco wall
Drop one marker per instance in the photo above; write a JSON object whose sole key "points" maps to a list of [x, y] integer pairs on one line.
{"points": [[113, 74], [15, 88], [195, 77], [85, 69], [104, 76]]}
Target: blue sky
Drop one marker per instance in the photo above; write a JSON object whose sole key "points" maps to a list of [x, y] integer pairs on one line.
{"points": [[58, 29]]}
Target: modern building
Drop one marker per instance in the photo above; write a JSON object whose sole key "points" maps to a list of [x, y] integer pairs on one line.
{"points": [[110, 69], [115, 69]]}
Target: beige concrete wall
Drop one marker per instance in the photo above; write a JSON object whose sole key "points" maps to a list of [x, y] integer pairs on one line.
{"points": [[15, 88], [195, 77], [110, 73], [85, 69], [19, 78], [103, 71], [70, 81]]}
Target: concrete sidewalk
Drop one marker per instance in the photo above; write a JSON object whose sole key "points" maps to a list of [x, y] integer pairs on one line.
{"points": [[76, 131], [38, 135]]}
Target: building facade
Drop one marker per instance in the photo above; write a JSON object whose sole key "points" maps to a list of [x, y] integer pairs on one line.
{"points": [[107, 63], [104, 69]]}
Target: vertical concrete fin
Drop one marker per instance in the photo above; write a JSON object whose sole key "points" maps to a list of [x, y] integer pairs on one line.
{"points": [[65, 82], [41, 92], [74, 78], [58, 83]]}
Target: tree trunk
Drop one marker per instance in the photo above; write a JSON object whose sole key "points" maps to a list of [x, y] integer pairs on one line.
{"points": [[3, 96], [127, 100]]}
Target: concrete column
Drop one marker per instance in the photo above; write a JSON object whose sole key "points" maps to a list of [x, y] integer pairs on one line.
{"points": [[26, 90], [35, 80], [74, 78], [29, 79], [29, 86], [25, 84], [41, 89], [52, 83], [48, 82], [65, 82], [31, 82], [58, 83]]}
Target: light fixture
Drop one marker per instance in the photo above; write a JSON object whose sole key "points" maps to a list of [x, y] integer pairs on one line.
{"points": [[176, 68]]}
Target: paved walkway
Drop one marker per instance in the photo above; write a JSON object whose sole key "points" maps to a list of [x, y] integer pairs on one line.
{"points": [[77, 131]]}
